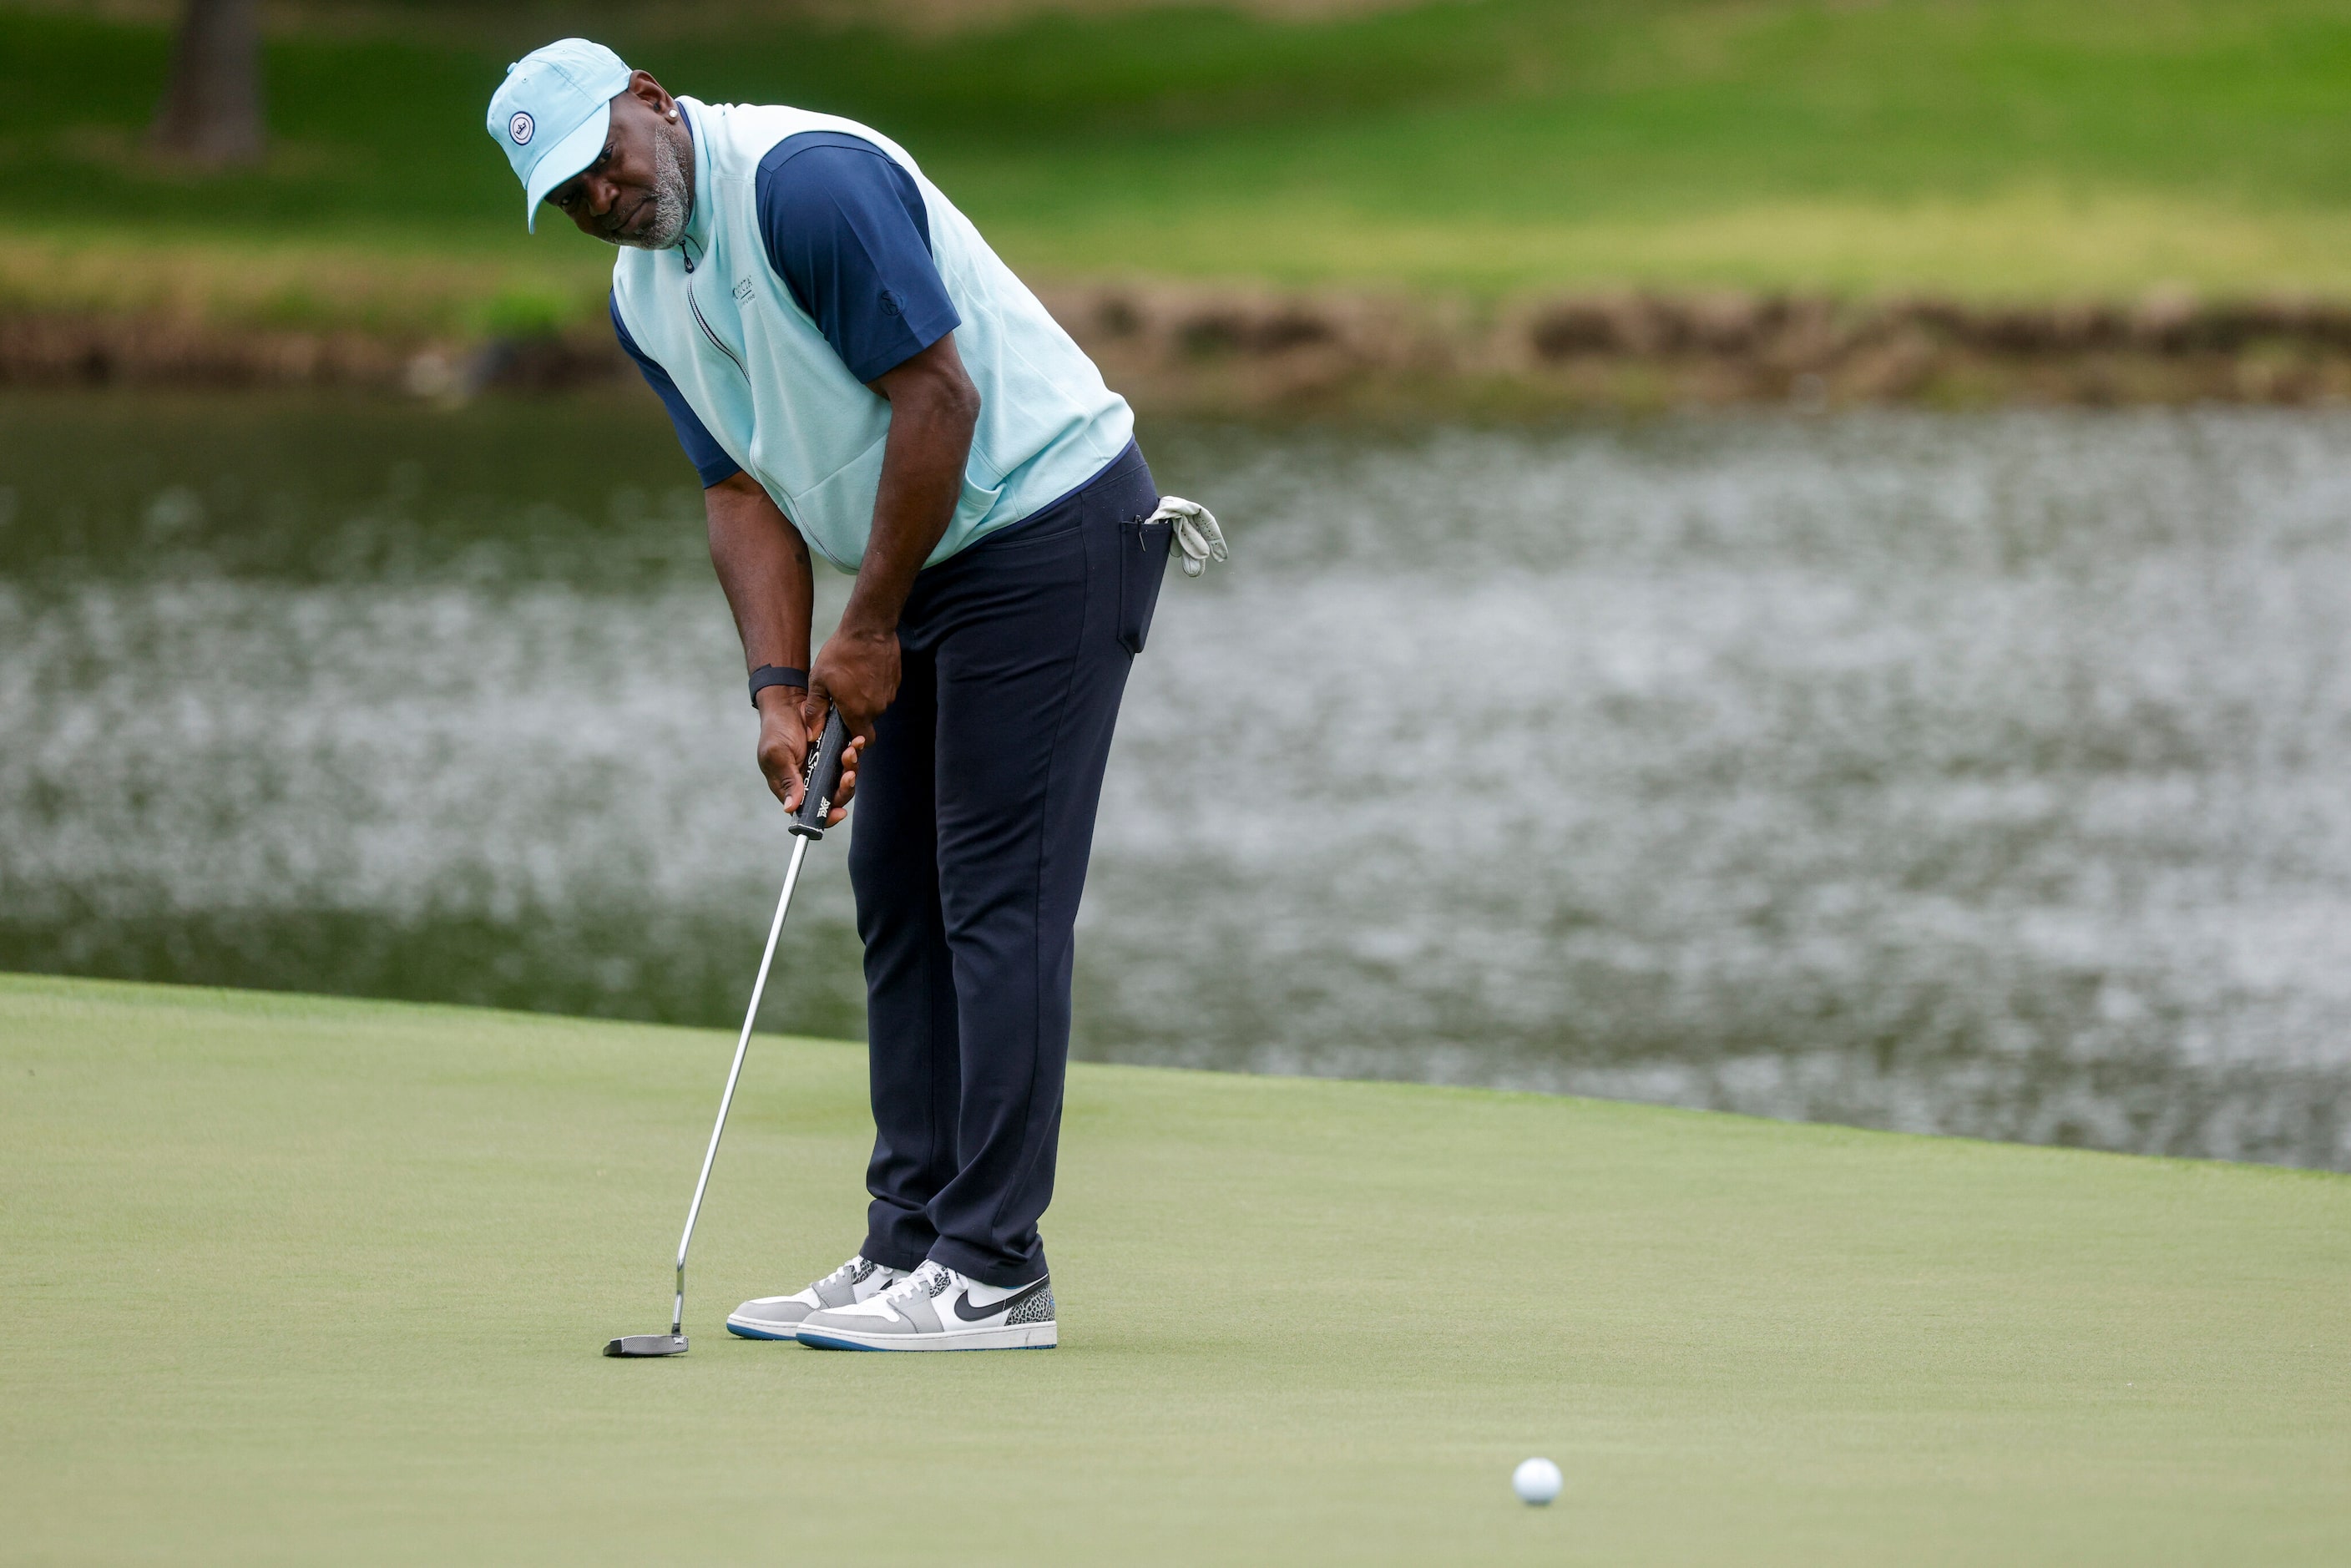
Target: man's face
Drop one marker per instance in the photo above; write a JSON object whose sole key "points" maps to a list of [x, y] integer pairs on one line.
{"points": [[640, 189]]}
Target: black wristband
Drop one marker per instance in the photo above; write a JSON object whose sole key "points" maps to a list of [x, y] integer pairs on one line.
{"points": [[768, 676]]}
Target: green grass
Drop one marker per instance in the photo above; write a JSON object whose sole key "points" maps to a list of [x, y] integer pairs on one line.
{"points": [[297, 1280], [1988, 147]]}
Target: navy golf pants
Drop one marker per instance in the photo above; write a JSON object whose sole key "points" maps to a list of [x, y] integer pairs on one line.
{"points": [[974, 816]]}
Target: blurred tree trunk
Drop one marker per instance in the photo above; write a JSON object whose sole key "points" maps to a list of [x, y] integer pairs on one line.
{"points": [[212, 109]]}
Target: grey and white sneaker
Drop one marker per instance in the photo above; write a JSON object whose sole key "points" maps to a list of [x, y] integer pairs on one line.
{"points": [[778, 1317], [934, 1308]]}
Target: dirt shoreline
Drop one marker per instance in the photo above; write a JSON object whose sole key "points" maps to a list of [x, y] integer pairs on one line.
{"points": [[1206, 351]]}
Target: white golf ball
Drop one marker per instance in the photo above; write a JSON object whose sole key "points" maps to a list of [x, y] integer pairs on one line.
{"points": [[1536, 1482]]}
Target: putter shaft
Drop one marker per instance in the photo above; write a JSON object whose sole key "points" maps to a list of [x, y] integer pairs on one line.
{"points": [[726, 1101]]}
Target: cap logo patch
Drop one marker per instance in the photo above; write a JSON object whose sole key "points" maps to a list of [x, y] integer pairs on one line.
{"points": [[520, 128]]}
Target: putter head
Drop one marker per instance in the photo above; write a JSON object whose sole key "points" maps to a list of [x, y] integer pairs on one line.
{"points": [[647, 1344]]}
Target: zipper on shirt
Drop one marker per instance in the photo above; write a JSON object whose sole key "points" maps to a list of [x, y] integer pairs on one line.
{"points": [[686, 253], [711, 335]]}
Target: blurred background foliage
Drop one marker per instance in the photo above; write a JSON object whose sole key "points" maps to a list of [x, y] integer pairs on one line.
{"points": [[2001, 148]]}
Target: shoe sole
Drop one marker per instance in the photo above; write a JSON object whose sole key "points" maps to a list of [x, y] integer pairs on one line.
{"points": [[1012, 1336], [759, 1331]]}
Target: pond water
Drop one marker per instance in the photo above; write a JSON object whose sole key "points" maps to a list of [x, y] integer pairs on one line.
{"points": [[1984, 773]]}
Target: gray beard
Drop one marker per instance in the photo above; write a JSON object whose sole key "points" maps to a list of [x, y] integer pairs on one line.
{"points": [[671, 201]]}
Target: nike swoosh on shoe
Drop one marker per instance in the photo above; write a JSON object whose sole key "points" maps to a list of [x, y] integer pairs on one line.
{"points": [[963, 1309]]}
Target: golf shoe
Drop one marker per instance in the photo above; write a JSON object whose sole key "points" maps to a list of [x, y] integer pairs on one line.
{"points": [[934, 1308], [780, 1317]]}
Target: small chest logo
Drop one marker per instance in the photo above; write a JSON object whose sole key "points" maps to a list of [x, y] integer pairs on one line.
{"points": [[743, 290], [520, 128]]}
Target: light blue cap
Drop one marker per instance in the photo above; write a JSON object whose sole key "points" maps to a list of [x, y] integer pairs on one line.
{"points": [[551, 114]]}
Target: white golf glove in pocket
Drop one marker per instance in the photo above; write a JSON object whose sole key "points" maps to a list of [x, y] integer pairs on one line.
{"points": [[1196, 533]]}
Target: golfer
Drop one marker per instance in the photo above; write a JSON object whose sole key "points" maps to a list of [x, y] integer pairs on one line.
{"points": [[854, 375]]}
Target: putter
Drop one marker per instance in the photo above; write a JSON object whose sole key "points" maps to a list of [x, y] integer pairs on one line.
{"points": [[818, 784]]}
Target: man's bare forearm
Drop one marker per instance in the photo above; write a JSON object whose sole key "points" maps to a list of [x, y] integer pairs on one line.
{"points": [[934, 408], [763, 565]]}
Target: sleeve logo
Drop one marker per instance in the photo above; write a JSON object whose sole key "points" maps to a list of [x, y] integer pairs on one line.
{"points": [[520, 128]]}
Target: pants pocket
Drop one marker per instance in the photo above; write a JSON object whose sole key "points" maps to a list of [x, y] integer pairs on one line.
{"points": [[1142, 563]]}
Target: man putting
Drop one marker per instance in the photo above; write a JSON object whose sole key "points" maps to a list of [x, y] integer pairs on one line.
{"points": [[854, 372]]}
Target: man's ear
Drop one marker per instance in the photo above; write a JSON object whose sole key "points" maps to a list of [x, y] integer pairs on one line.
{"points": [[652, 94]]}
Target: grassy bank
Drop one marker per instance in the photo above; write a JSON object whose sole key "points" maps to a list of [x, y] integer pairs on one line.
{"points": [[1995, 148], [296, 1278]]}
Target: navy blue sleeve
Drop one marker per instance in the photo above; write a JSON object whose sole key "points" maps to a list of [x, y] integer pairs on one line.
{"points": [[702, 449], [846, 231]]}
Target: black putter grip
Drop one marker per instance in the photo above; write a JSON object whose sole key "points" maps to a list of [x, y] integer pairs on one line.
{"points": [[823, 780]]}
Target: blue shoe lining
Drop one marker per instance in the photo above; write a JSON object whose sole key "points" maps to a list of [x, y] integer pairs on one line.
{"points": [[818, 1342], [740, 1332]]}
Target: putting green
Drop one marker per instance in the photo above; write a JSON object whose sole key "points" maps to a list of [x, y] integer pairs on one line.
{"points": [[301, 1280]]}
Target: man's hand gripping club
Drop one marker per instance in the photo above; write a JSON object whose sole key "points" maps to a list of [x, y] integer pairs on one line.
{"points": [[763, 564]]}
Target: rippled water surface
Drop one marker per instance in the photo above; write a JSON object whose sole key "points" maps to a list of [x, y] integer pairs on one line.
{"points": [[1982, 774]]}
